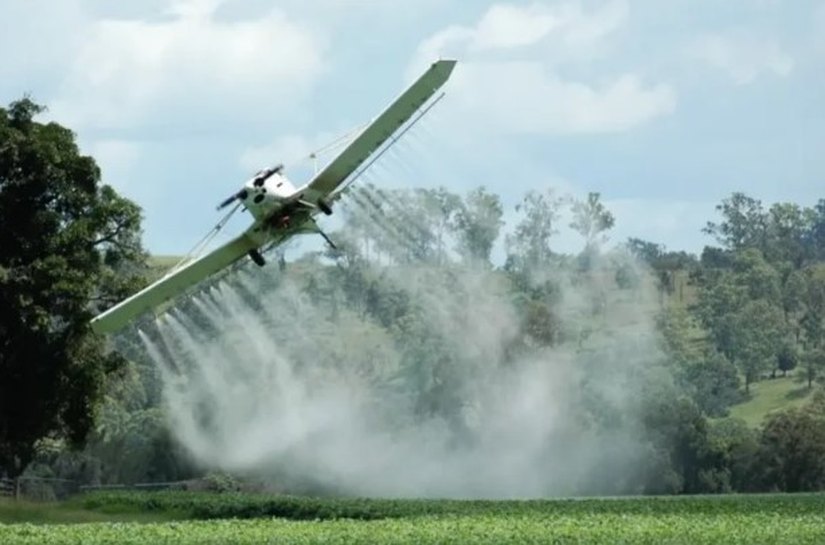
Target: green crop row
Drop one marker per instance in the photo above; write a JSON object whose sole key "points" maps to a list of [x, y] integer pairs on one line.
{"points": [[581, 529], [212, 505]]}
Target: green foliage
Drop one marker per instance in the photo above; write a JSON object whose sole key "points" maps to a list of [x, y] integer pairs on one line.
{"points": [[714, 383], [695, 520], [756, 337], [478, 222], [69, 246], [792, 457], [529, 245], [744, 223], [222, 482], [590, 219], [206, 505], [732, 446]]}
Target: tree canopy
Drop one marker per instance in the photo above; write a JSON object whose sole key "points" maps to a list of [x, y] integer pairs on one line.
{"points": [[69, 245]]}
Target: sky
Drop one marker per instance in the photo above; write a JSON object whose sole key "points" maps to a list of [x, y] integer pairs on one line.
{"points": [[665, 108]]}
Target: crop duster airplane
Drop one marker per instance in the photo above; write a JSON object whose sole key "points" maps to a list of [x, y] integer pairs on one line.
{"points": [[279, 209]]}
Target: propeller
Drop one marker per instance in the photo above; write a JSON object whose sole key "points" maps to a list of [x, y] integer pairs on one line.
{"points": [[261, 176], [240, 195], [257, 181]]}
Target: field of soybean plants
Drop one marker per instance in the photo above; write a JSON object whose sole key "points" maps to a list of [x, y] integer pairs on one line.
{"points": [[242, 518]]}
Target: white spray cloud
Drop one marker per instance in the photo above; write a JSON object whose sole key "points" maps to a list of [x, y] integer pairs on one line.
{"points": [[265, 377]]}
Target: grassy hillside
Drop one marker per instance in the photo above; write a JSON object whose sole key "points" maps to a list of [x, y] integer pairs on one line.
{"points": [[771, 395]]}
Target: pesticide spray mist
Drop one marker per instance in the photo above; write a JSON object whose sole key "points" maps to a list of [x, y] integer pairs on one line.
{"points": [[266, 375], [421, 384]]}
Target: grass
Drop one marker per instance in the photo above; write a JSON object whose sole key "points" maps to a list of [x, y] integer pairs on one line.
{"points": [[768, 396], [163, 261], [12, 512], [237, 518]]}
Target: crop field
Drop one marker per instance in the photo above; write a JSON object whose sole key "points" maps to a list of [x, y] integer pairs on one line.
{"points": [[237, 519]]}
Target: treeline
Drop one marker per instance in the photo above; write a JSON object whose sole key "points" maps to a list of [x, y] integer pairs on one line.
{"points": [[649, 380]]}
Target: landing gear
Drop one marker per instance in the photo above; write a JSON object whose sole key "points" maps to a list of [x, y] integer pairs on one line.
{"points": [[325, 208], [329, 240], [256, 256]]}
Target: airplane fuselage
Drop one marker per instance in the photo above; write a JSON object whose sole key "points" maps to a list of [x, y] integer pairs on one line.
{"points": [[265, 194]]}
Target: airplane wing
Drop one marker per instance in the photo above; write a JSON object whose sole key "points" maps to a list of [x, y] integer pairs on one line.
{"points": [[175, 283], [377, 132]]}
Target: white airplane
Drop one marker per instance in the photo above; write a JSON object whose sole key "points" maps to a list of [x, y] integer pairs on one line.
{"points": [[280, 210]]}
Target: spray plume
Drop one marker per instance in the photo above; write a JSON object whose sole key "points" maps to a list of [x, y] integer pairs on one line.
{"points": [[418, 382]]}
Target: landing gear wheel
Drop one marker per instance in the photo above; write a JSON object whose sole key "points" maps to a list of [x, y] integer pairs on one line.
{"points": [[256, 256], [325, 208]]}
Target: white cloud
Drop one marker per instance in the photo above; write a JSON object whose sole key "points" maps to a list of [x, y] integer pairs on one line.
{"points": [[563, 32], [131, 72], [525, 97], [511, 26], [508, 75], [743, 56]]}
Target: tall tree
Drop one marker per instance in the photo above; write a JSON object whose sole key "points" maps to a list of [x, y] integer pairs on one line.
{"points": [[791, 457], [439, 206], [744, 223], [757, 333], [478, 223], [649, 252], [813, 323], [62, 235], [591, 218], [530, 243], [815, 238], [788, 224]]}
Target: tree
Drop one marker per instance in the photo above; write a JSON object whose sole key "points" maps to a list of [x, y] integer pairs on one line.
{"points": [[720, 298], [677, 430], [792, 449], [744, 223], [649, 252], [815, 237], [529, 245], [813, 363], [787, 357], [69, 244], [787, 226], [758, 278], [714, 382], [793, 297], [591, 218], [478, 223], [439, 207], [757, 333], [734, 446]]}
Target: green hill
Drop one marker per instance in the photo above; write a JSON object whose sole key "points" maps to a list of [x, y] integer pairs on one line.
{"points": [[771, 395]]}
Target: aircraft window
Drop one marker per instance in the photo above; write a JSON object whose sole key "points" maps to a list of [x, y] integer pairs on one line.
{"points": [[279, 184], [258, 198]]}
